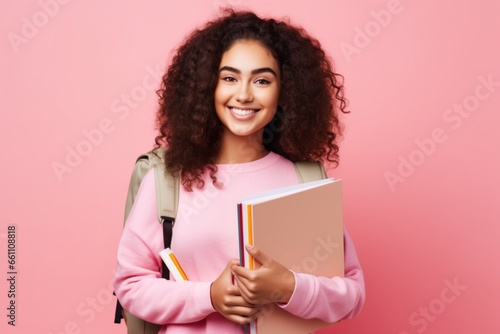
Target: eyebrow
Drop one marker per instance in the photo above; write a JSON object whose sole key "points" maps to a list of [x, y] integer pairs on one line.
{"points": [[256, 71]]}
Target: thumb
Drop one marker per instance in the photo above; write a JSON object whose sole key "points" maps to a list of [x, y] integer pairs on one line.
{"points": [[258, 255], [227, 272]]}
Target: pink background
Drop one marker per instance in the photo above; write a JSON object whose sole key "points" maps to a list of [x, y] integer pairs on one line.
{"points": [[420, 180]]}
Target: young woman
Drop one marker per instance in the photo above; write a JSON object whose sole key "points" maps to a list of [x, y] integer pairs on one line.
{"points": [[242, 99]]}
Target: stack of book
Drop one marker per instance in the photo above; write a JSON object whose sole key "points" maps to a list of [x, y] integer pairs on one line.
{"points": [[300, 227]]}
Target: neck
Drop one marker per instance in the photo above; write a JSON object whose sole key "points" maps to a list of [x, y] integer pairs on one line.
{"points": [[235, 149]]}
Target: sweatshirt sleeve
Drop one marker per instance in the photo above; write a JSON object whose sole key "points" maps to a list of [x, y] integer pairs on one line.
{"points": [[138, 283], [330, 299]]}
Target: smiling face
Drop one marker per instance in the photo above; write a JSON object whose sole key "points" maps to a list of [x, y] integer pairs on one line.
{"points": [[247, 92]]}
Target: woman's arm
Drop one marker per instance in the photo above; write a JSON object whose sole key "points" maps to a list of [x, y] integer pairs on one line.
{"points": [[330, 299], [305, 295], [142, 291], [138, 283]]}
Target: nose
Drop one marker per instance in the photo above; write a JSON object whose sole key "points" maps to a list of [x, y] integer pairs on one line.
{"points": [[244, 93]]}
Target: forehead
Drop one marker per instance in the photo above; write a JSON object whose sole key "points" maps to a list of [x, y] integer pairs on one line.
{"points": [[248, 55]]}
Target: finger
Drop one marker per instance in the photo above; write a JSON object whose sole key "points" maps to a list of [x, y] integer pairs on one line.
{"points": [[239, 301], [232, 290], [246, 289], [247, 282], [234, 301], [242, 320], [241, 271], [259, 256], [247, 311], [243, 283], [248, 296], [244, 311], [227, 272], [240, 283], [241, 314]]}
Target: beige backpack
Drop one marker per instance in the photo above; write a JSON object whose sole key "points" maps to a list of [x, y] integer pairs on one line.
{"points": [[167, 195]]}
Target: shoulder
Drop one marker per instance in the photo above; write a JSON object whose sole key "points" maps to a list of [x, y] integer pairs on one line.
{"points": [[148, 183], [280, 161], [144, 206]]}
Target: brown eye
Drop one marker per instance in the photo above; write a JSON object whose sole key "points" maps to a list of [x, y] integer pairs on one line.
{"points": [[229, 79], [262, 81]]}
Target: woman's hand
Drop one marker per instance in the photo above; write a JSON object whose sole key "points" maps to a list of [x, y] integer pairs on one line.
{"points": [[227, 300], [271, 283]]}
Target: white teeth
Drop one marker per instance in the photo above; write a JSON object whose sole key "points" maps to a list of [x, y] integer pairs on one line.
{"points": [[243, 112]]}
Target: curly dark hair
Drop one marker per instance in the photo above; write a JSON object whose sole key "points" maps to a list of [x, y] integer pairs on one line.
{"points": [[306, 125]]}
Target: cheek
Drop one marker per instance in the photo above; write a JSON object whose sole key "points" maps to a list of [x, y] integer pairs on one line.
{"points": [[217, 94], [221, 94], [220, 99], [270, 99]]}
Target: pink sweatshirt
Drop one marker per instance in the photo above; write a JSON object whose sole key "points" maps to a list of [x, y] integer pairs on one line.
{"points": [[204, 240]]}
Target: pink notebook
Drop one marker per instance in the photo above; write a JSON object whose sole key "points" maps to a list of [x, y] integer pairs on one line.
{"points": [[300, 227]]}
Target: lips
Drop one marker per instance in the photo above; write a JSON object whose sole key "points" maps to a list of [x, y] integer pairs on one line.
{"points": [[243, 112]]}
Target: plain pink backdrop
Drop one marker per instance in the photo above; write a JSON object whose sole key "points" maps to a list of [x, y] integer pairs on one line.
{"points": [[420, 176]]}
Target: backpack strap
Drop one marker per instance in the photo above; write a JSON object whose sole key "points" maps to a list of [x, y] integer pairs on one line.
{"points": [[309, 171], [167, 197], [167, 188], [167, 185]]}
